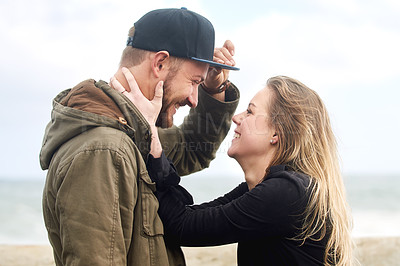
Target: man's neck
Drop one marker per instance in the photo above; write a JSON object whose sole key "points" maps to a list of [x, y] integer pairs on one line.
{"points": [[141, 78]]}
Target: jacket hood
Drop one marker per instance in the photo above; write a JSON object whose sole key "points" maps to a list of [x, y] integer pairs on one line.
{"points": [[88, 105]]}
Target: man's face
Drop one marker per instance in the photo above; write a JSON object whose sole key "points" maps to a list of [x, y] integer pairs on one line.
{"points": [[181, 88]]}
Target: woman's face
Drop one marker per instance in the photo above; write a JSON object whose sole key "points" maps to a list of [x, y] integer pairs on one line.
{"points": [[253, 135]]}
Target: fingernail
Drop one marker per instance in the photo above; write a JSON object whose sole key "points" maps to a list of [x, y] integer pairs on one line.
{"points": [[232, 52]]}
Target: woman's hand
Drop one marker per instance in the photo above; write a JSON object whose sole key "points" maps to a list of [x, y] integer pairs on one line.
{"points": [[149, 109]]}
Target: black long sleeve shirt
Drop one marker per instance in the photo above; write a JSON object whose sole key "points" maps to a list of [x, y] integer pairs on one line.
{"points": [[262, 220]]}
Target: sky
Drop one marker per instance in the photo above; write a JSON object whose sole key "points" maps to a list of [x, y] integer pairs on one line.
{"points": [[345, 50]]}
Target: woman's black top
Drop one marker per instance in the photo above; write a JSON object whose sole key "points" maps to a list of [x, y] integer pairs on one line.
{"points": [[262, 220]]}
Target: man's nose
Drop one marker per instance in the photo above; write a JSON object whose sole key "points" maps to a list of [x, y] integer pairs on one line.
{"points": [[193, 98]]}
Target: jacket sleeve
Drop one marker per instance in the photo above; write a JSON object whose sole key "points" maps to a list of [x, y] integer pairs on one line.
{"points": [[95, 206], [270, 209], [193, 145]]}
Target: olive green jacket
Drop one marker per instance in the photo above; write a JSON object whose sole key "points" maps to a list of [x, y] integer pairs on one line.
{"points": [[98, 201]]}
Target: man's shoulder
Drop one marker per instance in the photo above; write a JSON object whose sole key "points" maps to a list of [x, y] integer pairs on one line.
{"points": [[97, 143], [105, 138], [99, 139]]}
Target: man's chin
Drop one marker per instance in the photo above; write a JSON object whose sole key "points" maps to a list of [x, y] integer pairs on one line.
{"points": [[164, 121]]}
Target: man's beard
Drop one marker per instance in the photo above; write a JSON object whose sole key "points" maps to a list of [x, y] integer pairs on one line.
{"points": [[163, 120]]}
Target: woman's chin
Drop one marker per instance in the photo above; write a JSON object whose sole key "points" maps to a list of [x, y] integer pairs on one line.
{"points": [[232, 154]]}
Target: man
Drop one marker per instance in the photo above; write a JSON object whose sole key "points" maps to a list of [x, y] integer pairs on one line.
{"points": [[98, 201]]}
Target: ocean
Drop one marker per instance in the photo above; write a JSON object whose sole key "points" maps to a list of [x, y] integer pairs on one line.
{"points": [[374, 201]]}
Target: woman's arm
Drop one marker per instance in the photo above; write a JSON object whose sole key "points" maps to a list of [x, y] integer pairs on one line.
{"points": [[273, 208], [163, 172], [228, 197]]}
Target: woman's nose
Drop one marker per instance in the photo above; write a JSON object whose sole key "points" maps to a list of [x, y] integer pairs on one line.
{"points": [[237, 118]]}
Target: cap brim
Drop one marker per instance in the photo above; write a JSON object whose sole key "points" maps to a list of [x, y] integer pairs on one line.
{"points": [[214, 64]]}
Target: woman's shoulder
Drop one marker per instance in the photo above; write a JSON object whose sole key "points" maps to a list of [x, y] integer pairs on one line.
{"points": [[283, 182], [285, 190], [284, 172]]}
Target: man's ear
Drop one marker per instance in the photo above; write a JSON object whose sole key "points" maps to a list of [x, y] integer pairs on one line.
{"points": [[159, 63]]}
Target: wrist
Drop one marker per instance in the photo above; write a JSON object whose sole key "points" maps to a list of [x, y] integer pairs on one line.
{"points": [[154, 130], [155, 146], [220, 89]]}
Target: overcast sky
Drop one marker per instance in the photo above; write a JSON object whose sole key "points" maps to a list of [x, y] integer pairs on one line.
{"points": [[346, 50]]}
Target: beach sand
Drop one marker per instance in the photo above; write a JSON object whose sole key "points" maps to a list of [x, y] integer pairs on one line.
{"points": [[369, 251]]}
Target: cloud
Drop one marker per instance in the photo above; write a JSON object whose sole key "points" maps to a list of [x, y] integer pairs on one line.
{"points": [[319, 50]]}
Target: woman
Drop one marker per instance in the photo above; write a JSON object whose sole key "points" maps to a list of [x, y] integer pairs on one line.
{"points": [[292, 208]]}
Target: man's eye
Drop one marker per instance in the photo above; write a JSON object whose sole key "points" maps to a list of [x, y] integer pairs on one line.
{"points": [[249, 111], [197, 81]]}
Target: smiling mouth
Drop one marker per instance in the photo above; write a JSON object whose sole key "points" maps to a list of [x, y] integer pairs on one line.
{"points": [[236, 136]]}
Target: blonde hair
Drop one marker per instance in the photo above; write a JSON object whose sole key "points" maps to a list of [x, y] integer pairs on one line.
{"points": [[307, 144]]}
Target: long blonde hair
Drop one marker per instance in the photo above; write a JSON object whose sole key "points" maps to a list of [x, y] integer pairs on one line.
{"points": [[307, 144]]}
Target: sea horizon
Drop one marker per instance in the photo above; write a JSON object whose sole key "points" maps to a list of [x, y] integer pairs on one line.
{"points": [[373, 200]]}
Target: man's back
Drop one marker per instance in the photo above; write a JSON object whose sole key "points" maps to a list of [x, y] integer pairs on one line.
{"points": [[98, 202]]}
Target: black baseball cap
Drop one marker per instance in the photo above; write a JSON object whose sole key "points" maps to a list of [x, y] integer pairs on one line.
{"points": [[181, 32]]}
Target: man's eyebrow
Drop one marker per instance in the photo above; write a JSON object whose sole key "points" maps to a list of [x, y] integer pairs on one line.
{"points": [[252, 104]]}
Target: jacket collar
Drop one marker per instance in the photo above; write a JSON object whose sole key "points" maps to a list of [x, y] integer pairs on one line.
{"points": [[277, 168], [132, 122], [88, 105]]}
